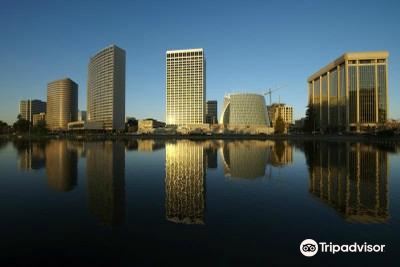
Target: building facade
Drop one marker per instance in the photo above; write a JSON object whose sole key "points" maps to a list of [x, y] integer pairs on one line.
{"points": [[28, 108], [244, 109], [106, 88], [82, 115], [212, 112], [38, 117], [185, 87], [62, 103], [351, 92], [284, 111]]}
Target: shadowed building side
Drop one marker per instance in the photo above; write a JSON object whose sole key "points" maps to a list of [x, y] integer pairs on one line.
{"points": [[351, 92], [105, 170], [106, 88], [353, 179]]}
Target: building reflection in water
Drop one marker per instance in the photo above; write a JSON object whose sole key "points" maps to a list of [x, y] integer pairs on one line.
{"points": [[105, 170], [248, 159], [185, 182], [61, 165], [31, 155], [352, 178]]}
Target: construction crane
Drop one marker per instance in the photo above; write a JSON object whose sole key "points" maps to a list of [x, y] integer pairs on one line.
{"points": [[271, 90]]}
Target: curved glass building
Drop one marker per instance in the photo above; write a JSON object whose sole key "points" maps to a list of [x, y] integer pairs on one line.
{"points": [[244, 109]]}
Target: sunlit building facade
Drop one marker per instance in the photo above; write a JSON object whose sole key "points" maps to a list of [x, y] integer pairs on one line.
{"points": [[284, 111], [185, 87], [106, 88], [62, 103], [351, 92], [28, 108], [185, 182], [244, 109]]}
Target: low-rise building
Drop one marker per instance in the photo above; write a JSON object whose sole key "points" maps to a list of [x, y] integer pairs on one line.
{"points": [[85, 125], [149, 125], [275, 110], [38, 117]]}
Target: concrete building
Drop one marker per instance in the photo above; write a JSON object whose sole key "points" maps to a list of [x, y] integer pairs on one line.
{"points": [[185, 87], [28, 108], [212, 112], [106, 88], [244, 109], [85, 125], [149, 125], [62, 103], [275, 110], [351, 92], [38, 117]]}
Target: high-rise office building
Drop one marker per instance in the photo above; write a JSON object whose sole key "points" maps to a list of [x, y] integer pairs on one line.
{"points": [[82, 115], [106, 88], [351, 92], [186, 88], [28, 108], [212, 112], [62, 103]]}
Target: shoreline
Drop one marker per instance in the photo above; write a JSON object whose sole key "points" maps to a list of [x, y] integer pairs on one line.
{"points": [[122, 137]]}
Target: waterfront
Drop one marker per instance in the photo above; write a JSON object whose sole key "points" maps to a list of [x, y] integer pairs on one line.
{"points": [[196, 202]]}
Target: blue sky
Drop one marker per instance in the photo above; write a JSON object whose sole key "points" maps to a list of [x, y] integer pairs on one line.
{"points": [[249, 45]]}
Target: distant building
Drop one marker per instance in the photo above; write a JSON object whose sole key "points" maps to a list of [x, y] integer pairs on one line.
{"points": [[244, 109], [38, 117], [148, 125], [62, 103], [28, 108], [185, 87], [82, 115], [351, 92], [85, 125], [106, 88], [212, 112], [275, 110]]}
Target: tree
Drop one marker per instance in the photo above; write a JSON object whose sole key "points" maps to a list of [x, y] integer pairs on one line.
{"points": [[40, 127], [310, 121], [280, 125], [21, 125], [3, 127]]}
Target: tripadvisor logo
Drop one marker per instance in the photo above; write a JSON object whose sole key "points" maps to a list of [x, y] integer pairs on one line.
{"points": [[309, 248]]}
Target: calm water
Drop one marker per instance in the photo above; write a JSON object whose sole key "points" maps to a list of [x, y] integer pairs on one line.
{"points": [[151, 202]]}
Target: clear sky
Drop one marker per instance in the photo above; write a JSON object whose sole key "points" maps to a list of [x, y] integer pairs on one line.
{"points": [[249, 45]]}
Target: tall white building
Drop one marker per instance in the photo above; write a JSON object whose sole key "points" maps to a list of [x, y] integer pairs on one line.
{"points": [[106, 88], [185, 86]]}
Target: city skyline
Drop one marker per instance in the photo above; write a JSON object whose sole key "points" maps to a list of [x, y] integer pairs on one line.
{"points": [[265, 54]]}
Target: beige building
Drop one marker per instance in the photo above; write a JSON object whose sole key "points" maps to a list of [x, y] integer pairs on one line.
{"points": [[351, 92], [28, 108], [38, 117], [148, 125], [106, 88], [185, 87], [62, 103], [275, 110]]}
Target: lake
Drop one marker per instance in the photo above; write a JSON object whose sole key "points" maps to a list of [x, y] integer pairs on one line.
{"points": [[182, 202]]}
